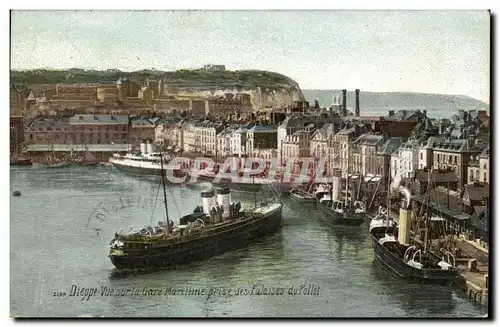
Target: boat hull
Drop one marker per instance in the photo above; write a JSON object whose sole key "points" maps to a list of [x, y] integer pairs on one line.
{"points": [[144, 171], [336, 218], [299, 198], [234, 184], [202, 248], [398, 268], [21, 162]]}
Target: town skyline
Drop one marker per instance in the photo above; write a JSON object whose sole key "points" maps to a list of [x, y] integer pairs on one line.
{"points": [[326, 45]]}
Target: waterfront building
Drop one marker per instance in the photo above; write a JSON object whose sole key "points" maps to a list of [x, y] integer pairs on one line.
{"points": [[169, 132], [364, 155], [484, 165], [404, 161], [320, 140], [261, 139], [103, 134], [205, 136], [238, 141], [224, 143], [141, 128], [454, 155]]}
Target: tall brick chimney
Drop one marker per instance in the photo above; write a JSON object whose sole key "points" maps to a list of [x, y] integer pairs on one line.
{"points": [[344, 103], [357, 103]]}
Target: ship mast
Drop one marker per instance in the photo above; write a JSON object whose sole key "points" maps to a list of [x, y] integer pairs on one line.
{"points": [[164, 191], [347, 176], [426, 235]]}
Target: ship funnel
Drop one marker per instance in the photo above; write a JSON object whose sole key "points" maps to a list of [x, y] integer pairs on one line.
{"points": [[207, 200], [143, 147], [224, 199], [357, 103], [404, 217], [344, 103], [149, 146]]}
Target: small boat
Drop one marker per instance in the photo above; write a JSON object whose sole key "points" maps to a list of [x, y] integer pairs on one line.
{"points": [[302, 196], [58, 165], [21, 162], [16, 193]]}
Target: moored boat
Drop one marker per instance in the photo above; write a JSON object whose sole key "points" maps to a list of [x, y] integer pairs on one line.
{"points": [[21, 162], [301, 195], [396, 253], [217, 226]]}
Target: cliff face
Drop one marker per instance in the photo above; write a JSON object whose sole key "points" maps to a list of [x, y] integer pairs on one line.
{"points": [[265, 88], [259, 97]]}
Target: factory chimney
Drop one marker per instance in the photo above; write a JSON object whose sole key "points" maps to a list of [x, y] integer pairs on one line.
{"points": [[357, 103], [344, 103]]}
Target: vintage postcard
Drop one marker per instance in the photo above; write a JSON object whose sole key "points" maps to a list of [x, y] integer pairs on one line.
{"points": [[227, 164]]}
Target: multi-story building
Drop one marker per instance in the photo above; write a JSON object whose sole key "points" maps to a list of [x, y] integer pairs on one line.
{"points": [[224, 143], [189, 137], [260, 138], [484, 165], [206, 136], [169, 132], [454, 155], [404, 161], [338, 147], [296, 145], [320, 140], [473, 170], [298, 122], [425, 152], [141, 129], [102, 134], [366, 147], [238, 141], [76, 91], [173, 105]]}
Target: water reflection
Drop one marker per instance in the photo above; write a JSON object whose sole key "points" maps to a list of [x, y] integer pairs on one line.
{"points": [[415, 298]]}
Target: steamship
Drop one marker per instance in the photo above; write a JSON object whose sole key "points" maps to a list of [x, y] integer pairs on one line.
{"points": [[146, 162], [217, 226], [336, 211], [393, 251]]}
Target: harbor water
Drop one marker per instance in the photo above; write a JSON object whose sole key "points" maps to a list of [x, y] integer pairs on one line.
{"points": [[63, 223]]}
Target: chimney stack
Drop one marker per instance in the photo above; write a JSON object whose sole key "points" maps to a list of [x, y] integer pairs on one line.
{"points": [[344, 103], [357, 103]]}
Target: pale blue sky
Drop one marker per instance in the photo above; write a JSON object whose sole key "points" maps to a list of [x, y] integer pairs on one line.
{"points": [[421, 51]]}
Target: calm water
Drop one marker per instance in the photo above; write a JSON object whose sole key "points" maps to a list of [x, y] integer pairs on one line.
{"points": [[62, 224]]}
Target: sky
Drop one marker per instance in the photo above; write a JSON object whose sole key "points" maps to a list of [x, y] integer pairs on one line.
{"points": [[445, 52]]}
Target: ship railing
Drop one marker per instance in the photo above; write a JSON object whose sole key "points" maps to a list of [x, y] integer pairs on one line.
{"points": [[409, 252], [450, 258]]}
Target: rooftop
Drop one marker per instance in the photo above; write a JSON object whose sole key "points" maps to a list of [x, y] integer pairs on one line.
{"points": [[99, 119], [262, 129]]}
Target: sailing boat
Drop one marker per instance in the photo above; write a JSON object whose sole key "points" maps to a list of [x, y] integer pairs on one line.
{"points": [[393, 251], [217, 226], [340, 212]]}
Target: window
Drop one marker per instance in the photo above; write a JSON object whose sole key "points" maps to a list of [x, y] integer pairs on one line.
{"points": [[455, 160], [484, 177], [421, 155]]}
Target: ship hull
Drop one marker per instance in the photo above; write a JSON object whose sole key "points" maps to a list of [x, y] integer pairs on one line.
{"points": [[302, 199], [21, 162], [336, 218], [202, 248], [234, 185], [398, 268], [145, 171]]}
